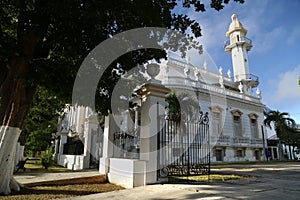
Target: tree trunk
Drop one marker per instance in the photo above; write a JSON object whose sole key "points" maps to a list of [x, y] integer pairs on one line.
{"points": [[15, 102], [9, 137], [15, 98]]}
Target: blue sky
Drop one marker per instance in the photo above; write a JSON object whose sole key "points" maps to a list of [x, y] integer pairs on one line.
{"points": [[274, 28]]}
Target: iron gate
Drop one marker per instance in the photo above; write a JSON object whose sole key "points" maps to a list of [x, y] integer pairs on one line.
{"points": [[184, 147]]}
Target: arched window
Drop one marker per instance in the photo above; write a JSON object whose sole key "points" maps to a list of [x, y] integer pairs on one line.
{"points": [[216, 115], [237, 123], [253, 125]]}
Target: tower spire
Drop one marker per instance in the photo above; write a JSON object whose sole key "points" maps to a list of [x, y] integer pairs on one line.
{"points": [[238, 46]]}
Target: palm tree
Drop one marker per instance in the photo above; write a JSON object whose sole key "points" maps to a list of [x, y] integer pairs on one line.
{"points": [[281, 122], [182, 107]]}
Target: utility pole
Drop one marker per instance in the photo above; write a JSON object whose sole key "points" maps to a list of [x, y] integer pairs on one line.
{"points": [[264, 144]]}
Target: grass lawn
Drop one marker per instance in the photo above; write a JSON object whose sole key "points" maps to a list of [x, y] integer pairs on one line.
{"points": [[38, 168], [205, 178], [252, 162]]}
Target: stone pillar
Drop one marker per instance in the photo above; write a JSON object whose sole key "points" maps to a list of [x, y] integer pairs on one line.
{"points": [[63, 140], [153, 104], [90, 126], [109, 129]]}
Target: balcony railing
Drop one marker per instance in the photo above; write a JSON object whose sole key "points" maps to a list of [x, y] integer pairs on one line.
{"points": [[241, 140], [226, 140], [234, 40], [246, 77], [257, 142]]}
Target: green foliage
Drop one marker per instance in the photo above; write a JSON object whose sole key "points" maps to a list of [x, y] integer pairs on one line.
{"points": [[280, 120], [46, 158], [291, 137], [53, 37], [181, 105], [41, 121], [285, 127]]}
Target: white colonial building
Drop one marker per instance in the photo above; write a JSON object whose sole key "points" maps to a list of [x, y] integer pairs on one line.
{"points": [[236, 111], [78, 140], [232, 100]]}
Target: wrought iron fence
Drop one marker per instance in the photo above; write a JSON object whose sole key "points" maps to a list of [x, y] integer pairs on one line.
{"points": [[184, 147], [126, 145]]}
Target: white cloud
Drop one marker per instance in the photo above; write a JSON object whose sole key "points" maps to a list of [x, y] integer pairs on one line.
{"points": [[286, 94], [294, 36], [265, 41], [288, 89]]}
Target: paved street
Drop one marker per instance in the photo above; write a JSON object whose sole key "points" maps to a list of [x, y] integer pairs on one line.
{"points": [[272, 181]]}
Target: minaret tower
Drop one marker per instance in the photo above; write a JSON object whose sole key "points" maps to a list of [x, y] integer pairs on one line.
{"points": [[238, 45]]}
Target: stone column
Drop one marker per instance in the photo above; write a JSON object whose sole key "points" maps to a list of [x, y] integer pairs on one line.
{"points": [[63, 140], [91, 125], [153, 104]]}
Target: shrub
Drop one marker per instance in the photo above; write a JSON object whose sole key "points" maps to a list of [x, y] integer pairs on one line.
{"points": [[46, 158]]}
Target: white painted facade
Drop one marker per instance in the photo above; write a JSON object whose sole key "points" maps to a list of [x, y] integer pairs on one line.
{"points": [[234, 107], [231, 100], [79, 124]]}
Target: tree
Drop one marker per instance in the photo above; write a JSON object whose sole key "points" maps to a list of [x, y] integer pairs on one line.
{"points": [[181, 105], [44, 42], [291, 138], [282, 123], [41, 121], [181, 109]]}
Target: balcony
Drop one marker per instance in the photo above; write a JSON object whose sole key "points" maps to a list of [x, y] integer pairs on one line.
{"points": [[256, 142], [224, 140], [233, 41], [251, 79], [247, 77], [240, 141]]}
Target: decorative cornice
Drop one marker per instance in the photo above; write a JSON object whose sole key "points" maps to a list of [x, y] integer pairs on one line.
{"points": [[151, 89]]}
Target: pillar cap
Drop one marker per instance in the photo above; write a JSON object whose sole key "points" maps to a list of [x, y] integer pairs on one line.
{"points": [[152, 89]]}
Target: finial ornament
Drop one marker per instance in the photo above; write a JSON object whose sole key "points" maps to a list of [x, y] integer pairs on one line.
{"points": [[241, 87], [188, 59], [221, 81], [205, 65], [197, 74], [234, 17], [153, 70], [258, 92], [220, 70], [229, 73], [187, 71]]}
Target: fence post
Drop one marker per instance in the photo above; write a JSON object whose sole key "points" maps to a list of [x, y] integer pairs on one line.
{"points": [[153, 95], [107, 144]]}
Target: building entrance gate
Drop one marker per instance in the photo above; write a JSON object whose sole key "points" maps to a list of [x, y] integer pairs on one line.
{"points": [[184, 147]]}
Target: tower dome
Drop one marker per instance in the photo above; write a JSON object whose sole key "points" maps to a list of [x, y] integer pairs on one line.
{"points": [[235, 26]]}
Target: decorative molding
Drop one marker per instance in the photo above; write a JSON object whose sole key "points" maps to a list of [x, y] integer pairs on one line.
{"points": [[236, 112]]}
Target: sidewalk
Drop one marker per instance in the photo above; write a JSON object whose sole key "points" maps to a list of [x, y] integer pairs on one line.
{"points": [[276, 181], [41, 177], [270, 181]]}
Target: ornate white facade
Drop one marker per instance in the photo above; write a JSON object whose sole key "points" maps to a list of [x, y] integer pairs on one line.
{"points": [[232, 100], [78, 142], [236, 111]]}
